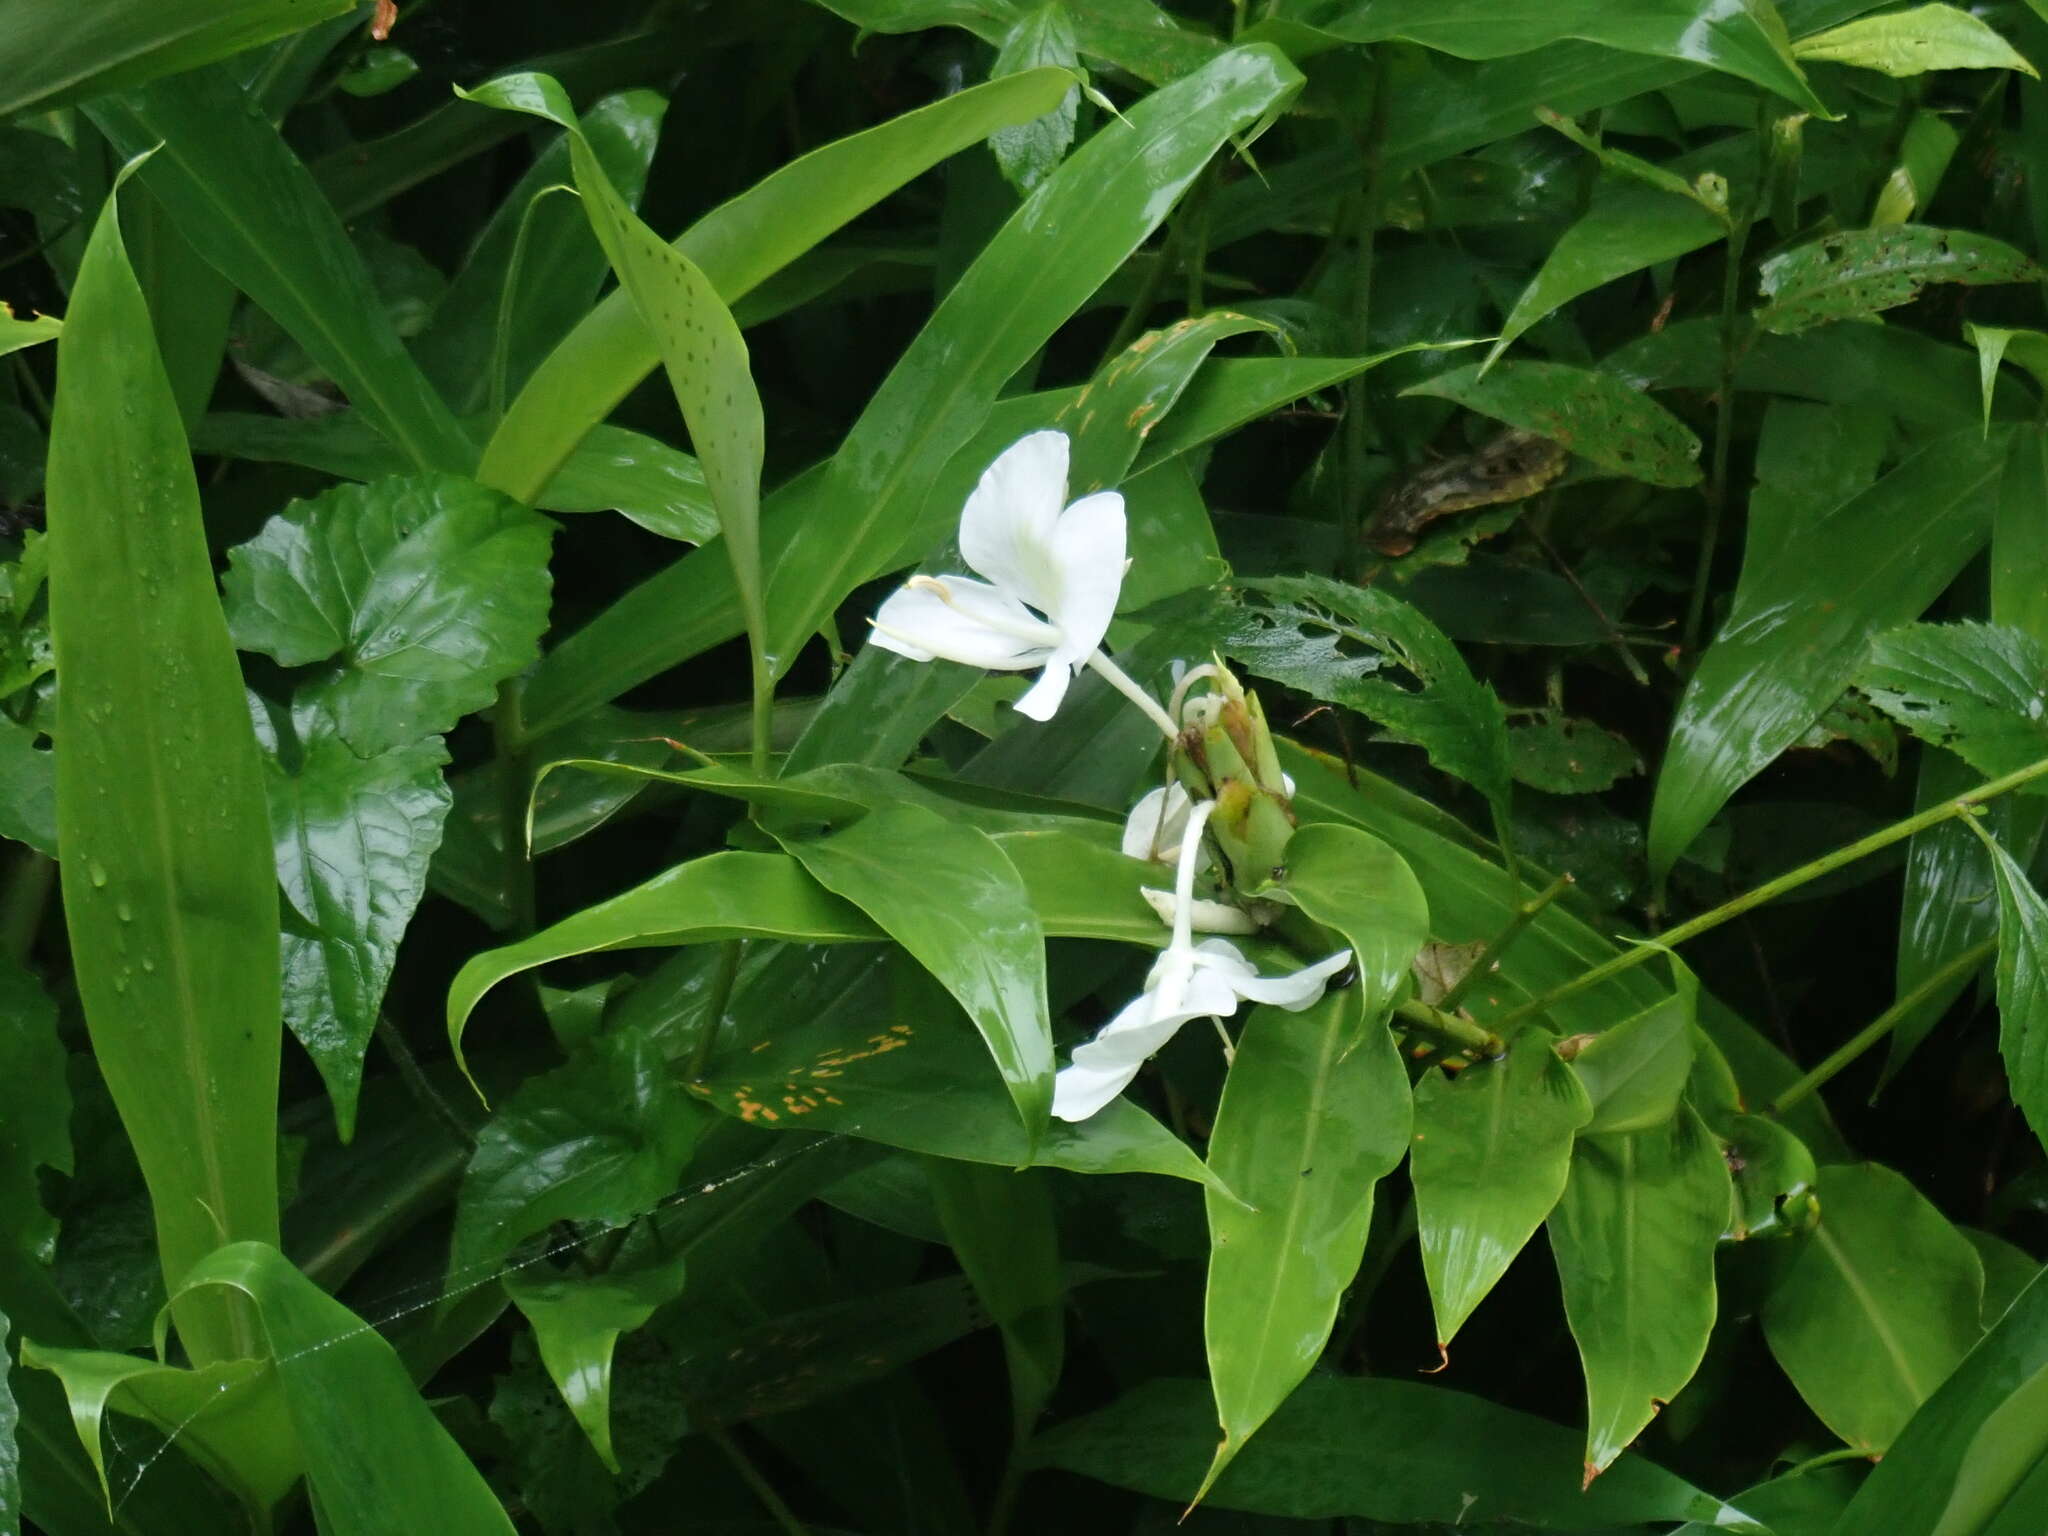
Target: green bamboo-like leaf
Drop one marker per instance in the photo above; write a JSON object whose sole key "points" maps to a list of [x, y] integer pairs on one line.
{"points": [[1911, 42], [1041, 37], [1597, 415], [1002, 1227], [1315, 1112], [54, 54], [2019, 535], [16, 333], [1860, 272], [1634, 1072], [1882, 1302], [2022, 987], [247, 204], [1803, 617], [950, 895], [169, 893], [1489, 1157], [1634, 1239], [1975, 689]]}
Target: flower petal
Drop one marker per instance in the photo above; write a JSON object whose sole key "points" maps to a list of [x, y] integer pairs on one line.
{"points": [[1006, 528], [1088, 565], [1042, 699], [971, 622], [1152, 830], [1296, 990], [1102, 1067], [1208, 916]]}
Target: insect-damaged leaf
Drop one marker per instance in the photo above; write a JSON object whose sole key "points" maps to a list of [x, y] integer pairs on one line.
{"points": [[1862, 271], [1980, 690]]}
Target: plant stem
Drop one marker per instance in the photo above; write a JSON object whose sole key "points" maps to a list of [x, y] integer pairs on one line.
{"points": [[764, 714], [1461, 1035], [417, 1083], [750, 1474], [1122, 682], [1364, 226], [1724, 431], [1524, 914], [1956, 969], [23, 901], [722, 982], [514, 785], [1770, 890]]}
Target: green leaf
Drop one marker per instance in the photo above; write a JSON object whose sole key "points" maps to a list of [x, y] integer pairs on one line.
{"points": [[1315, 1112], [54, 54], [1002, 1227], [1862, 271], [1491, 1149], [2022, 987], [1634, 1239], [2019, 535], [248, 205], [1633, 1073], [1597, 415], [1912, 42], [169, 891], [1042, 37], [1803, 616], [1351, 882], [420, 593], [1564, 756], [16, 333], [1881, 1303], [602, 1138], [1975, 689], [35, 1110], [1374, 1448], [1335, 641], [950, 896], [354, 836]]}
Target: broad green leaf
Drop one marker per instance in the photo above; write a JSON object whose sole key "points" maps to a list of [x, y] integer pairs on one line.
{"points": [[1597, 415], [1489, 1156], [35, 1109], [1998, 344], [1773, 1172], [2022, 987], [419, 594], [2008, 1270], [247, 204], [354, 836], [1002, 1227], [2019, 536], [602, 1138], [1564, 756], [1374, 1448], [950, 896], [1925, 151], [738, 245], [1747, 39], [1634, 1238], [54, 53], [1969, 1463], [1880, 1305], [1803, 617], [169, 892], [1710, 191], [1042, 37], [1858, 272], [577, 1320], [1974, 689], [1351, 882], [1633, 1073], [1333, 641], [16, 333], [1315, 1112], [1911, 42]]}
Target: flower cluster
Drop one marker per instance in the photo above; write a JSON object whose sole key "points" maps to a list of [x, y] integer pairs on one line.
{"points": [[1049, 577]]}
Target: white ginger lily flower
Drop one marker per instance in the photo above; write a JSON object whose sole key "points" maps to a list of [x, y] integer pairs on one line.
{"points": [[1188, 981], [1054, 572]]}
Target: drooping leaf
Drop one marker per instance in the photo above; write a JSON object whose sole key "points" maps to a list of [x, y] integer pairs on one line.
{"points": [[1878, 1308], [1912, 42], [1862, 271], [1003, 1227], [1979, 690], [2022, 987]]}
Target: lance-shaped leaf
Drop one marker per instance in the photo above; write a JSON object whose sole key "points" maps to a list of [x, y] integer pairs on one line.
{"points": [[1598, 416], [1353, 883], [16, 333], [2022, 987], [170, 898], [1634, 1239], [1861, 271], [1911, 42], [1633, 1072], [1979, 690], [1002, 1227]]}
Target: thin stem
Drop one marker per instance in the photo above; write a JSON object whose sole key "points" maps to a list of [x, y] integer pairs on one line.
{"points": [[1120, 680], [1716, 487], [750, 1474], [514, 785], [1364, 227], [1197, 239], [1147, 295], [1956, 969], [417, 1083], [722, 982], [763, 715], [23, 900], [1447, 1029], [1770, 890], [1524, 914], [1184, 875]]}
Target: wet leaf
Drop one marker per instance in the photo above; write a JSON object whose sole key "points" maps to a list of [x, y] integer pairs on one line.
{"points": [[2022, 988], [1030, 152], [1860, 272], [1912, 42], [1634, 1072], [1979, 690]]}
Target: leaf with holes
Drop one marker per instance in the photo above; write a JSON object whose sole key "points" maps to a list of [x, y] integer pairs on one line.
{"points": [[1599, 416], [1861, 271], [1980, 690]]}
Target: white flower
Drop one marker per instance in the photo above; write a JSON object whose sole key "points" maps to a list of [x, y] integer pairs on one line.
{"points": [[1053, 572], [1153, 829], [1188, 981]]}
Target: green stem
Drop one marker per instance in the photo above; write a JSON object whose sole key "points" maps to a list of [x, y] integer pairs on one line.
{"points": [[1716, 488], [1364, 227], [750, 1474], [1447, 1029], [1956, 970], [514, 785], [23, 901], [763, 716], [417, 1083], [1147, 295], [722, 983], [1525, 913], [1770, 890]]}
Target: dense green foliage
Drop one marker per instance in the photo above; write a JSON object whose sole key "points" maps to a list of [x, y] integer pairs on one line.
{"points": [[563, 969]]}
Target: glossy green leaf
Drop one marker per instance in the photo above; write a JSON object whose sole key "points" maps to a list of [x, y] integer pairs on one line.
{"points": [[738, 245], [1975, 689], [1774, 1172], [2008, 1270], [1597, 415], [2022, 987], [1633, 1073], [1315, 1112], [1491, 1149], [1003, 1228], [1748, 39], [1803, 617], [1352, 883], [2019, 536], [1881, 1303], [1376, 1448], [950, 896], [1912, 42], [17, 333], [1042, 37], [169, 894], [53, 53], [1862, 271], [418, 594], [1634, 1239], [246, 203]]}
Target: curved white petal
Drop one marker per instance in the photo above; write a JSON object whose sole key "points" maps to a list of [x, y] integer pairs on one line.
{"points": [[1102, 1067], [1206, 916], [1296, 990], [969, 622], [1088, 566], [1152, 830], [1043, 697], [1006, 528]]}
